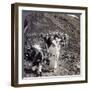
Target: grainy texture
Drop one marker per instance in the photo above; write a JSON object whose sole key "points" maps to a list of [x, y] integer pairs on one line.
{"points": [[37, 25]]}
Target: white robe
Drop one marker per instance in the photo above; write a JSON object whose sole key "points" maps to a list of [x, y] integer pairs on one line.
{"points": [[54, 54]]}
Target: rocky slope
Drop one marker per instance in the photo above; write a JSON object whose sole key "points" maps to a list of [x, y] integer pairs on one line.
{"points": [[69, 24]]}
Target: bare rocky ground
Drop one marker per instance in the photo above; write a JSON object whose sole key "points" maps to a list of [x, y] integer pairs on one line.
{"points": [[44, 22]]}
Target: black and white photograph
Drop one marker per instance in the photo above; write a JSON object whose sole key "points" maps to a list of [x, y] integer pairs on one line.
{"points": [[49, 44]]}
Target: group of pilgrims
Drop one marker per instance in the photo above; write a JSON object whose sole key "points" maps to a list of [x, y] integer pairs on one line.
{"points": [[37, 59]]}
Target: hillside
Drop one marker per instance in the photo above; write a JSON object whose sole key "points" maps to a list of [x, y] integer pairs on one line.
{"points": [[65, 24]]}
